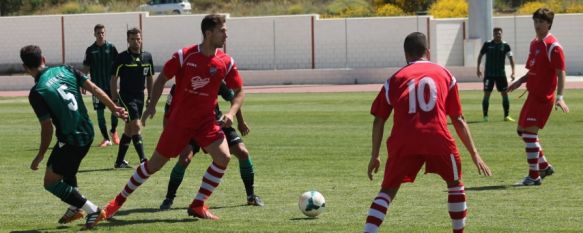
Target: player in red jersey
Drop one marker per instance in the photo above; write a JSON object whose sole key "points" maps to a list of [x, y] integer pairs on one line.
{"points": [[421, 94], [546, 73], [199, 71]]}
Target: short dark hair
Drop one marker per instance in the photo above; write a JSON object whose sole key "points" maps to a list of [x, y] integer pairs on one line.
{"points": [[416, 44], [497, 29], [31, 56], [544, 14], [133, 31], [98, 26], [210, 22]]}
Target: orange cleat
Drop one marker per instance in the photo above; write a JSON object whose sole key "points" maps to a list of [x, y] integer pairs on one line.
{"points": [[93, 219], [115, 138], [201, 212], [71, 215], [111, 209]]}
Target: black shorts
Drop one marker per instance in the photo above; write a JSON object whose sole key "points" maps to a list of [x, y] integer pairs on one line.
{"points": [[500, 81], [134, 104], [65, 159], [97, 104], [231, 135]]}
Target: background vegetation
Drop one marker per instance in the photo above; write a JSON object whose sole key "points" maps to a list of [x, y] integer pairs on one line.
{"points": [[326, 8]]}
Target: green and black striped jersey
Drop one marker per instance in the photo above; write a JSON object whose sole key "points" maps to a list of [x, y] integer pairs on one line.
{"points": [[100, 61], [56, 95], [495, 58]]}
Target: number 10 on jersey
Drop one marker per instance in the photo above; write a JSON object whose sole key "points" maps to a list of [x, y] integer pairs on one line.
{"points": [[417, 95]]}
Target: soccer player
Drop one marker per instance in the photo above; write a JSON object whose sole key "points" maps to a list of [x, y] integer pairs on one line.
{"points": [[236, 147], [134, 68], [546, 72], [421, 95], [99, 58], [199, 71], [496, 52], [56, 100]]}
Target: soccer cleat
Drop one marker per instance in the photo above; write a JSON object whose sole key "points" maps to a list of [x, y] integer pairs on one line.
{"points": [[115, 138], [166, 204], [111, 209], [93, 219], [71, 215], [527, 181], [123, 164], [254, 200], [201, 212], [546, 172], [509, 119], [105, 143], [485, 118]]}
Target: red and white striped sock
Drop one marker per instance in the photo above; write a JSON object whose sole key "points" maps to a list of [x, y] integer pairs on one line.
{"points": [[210, 181], [140, 176], [456, 204], [542, 160], [532, 148], [377, 212]]}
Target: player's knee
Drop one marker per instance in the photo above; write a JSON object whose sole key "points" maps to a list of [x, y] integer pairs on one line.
{"points": [[241, 153]]}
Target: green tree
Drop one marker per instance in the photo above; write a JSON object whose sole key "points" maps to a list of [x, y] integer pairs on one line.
{"points": [[9, 7]]}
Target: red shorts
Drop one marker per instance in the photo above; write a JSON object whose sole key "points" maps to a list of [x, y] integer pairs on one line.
{"points": [[535, 113], [174, 137], [402, 168]]}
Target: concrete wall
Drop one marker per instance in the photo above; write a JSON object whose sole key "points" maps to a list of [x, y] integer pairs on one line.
{"points": [[279, 42]]}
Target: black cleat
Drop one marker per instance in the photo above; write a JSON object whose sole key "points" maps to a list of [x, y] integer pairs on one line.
{"points": [[254, 200], [546, 172], [166, 204]]}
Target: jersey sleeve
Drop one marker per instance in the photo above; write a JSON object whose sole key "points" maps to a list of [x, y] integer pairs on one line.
{"points": [[530, 56], [558, 58], [483, 49], [80, 77], [87, 59], [380, 106], [508, 50], [172, 66], [151, 62], [41, 109], [225, 92], [117, 65], [453, 104], [233, 79]]}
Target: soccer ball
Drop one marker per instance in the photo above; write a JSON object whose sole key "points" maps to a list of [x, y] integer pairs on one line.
{"points": [[312, 203]]}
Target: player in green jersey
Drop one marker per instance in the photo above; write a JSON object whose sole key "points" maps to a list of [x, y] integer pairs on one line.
{"points": [[496, 52], [56, 100], [99, 58]]}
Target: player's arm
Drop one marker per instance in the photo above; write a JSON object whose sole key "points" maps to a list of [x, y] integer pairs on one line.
{"points": [[155, 94], [236, 103], [560, 102], [102, 96], [513, 75], [113, 86], [463, 131], [46, 136], [478, 72], [516, 84], [241, 124], [378, 127], [149, 84]]}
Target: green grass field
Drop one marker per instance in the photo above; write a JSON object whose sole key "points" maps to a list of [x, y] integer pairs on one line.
{"points": [[301, 142]]}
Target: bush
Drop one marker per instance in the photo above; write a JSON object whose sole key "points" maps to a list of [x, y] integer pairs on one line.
{"points": [[296, 9], [531, 7], [71, 8], [349, 8], [390, 10], [449, 9], [574, 8]]}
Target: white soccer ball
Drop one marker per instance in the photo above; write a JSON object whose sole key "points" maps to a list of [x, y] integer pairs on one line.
{"points": [[312, 203]]}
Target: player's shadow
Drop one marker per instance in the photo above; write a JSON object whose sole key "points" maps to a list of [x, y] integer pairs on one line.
{"points": [[120, 222], [489, 188], [303, 219], [98, 170], [57, 229]]}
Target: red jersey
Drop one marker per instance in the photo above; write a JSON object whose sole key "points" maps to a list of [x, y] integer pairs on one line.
{"points": [[198, 79], [422, 95], [544, 58]]}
